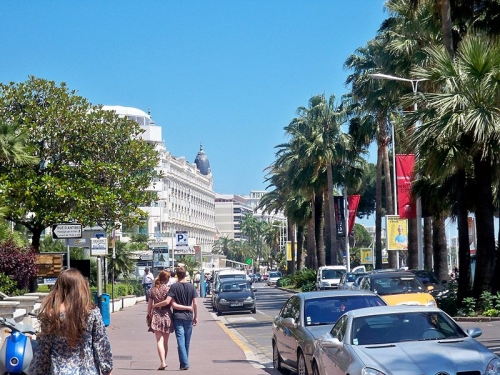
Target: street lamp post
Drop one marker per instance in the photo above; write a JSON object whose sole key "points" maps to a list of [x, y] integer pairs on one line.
{"points": [[414, 85]]}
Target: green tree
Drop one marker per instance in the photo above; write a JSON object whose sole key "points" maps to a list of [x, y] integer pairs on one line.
{"points": [[94, 167], [222, 246], [122, 265], [463, 118]]}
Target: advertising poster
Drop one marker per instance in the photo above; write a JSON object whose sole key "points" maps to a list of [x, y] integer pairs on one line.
{"points": [[366, 256], [397, 233]]}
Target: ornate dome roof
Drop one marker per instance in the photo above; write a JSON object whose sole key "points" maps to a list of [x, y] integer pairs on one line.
{"points": [[202, 162]]}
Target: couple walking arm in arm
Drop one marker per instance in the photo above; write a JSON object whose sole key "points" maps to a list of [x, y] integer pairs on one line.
{"points": [[184, 294]]}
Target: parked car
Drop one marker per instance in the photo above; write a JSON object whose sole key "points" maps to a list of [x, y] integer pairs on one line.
{"points": [[401, 340], [328, 277], [235, 295], [265, 277], [398, 288], [440, 288], [307, 316], [274, 276], [223, 275], [258, 277], [348, 279]]}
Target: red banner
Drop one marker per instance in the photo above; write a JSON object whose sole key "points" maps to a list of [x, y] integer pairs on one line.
{"points": [[407, 208], [352, 204]]}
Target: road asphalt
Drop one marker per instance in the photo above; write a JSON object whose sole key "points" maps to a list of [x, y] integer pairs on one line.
{"points": [[215, 349]]}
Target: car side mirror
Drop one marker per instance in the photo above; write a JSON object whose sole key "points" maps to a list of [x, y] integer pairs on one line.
{"points": [[289, 323], [331, 342], [430, 287], [474, 332]]}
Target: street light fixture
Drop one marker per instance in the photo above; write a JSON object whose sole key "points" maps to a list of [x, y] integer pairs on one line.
{"points": [[414, 85]]}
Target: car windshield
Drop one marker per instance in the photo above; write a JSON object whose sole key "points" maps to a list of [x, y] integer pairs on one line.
{"points": [[275, 274], [235, 286], [427, 277], [351, 277], [332, 274], [399, 327], [327, 310], [396, 285]]}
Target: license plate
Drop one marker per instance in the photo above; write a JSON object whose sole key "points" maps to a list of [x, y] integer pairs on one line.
{"points": [[236, 304]]}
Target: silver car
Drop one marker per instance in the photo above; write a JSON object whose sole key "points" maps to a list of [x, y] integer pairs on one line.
{"points": [[401, 340], [305, 317]]}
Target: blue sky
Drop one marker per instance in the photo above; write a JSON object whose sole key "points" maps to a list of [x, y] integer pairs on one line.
{"points": [[227, 74]]}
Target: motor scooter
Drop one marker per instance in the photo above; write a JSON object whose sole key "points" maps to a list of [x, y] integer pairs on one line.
{"points": [[17, 348]]}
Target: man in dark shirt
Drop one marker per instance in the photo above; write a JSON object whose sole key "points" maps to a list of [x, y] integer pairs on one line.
{"points": [[183, 293]]}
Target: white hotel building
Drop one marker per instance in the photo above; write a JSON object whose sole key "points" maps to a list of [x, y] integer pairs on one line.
{"points": [[186, 200]]}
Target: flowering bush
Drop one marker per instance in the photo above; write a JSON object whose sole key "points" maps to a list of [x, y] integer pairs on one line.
{"points": [[18, 263]]}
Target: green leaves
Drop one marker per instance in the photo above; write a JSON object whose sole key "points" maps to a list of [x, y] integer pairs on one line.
{"points": [[94, 167]]}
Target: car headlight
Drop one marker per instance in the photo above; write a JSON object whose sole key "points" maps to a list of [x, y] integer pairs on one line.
{"points": [[249, 299], [222, 300], [371, 371], [493, 367]]}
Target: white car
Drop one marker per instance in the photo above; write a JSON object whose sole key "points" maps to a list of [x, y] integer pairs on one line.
{"points": [[401, 340], [274, 276]]}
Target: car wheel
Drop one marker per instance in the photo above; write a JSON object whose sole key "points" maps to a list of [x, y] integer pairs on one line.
{"points": [[315, 369], [276, 358], [219, 312], [301, 364], [214, 308], [254, 310]]}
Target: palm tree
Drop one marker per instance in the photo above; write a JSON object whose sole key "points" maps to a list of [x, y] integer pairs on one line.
{"points": [[464, 118], [122, 264], [222, 246], [13, 151]]}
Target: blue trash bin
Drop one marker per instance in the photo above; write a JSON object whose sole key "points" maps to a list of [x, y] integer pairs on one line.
{"points": [[104, 307]]}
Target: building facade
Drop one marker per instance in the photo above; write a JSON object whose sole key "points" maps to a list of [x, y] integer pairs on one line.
{"points": [[186, 200], [230, 210]]}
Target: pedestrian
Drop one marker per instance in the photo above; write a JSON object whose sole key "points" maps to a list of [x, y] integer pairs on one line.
{"points": [[72, 338], [183, 292], [197, 278], [147, 282], [161, 317]]}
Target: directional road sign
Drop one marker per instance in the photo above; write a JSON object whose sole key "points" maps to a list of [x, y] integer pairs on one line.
{"points": [[99, 247], [66, 231]]}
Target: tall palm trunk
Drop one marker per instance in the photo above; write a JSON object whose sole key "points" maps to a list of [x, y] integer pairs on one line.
{"points": [[318, 229], [445, 14], [300, 245], [312, 258], [329, 216], [389, 202], [378, 211], [440, 249], [485, 226], [464, 275], [412, 244]]}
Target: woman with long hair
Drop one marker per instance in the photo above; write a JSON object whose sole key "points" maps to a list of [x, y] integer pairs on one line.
{"points": [[73, 338], [161, 317]]}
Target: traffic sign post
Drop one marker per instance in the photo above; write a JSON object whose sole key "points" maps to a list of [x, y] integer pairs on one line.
{"points": [[62, 231], [99, 247]]}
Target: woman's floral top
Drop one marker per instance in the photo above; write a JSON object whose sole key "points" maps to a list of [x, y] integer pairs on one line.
{"points": [[92, 356]]}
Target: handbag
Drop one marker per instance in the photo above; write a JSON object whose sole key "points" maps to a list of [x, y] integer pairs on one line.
{"points": [[149, 318]]}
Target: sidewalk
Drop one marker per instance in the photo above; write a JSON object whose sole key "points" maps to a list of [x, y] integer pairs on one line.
{"points": [[214, 349]]}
